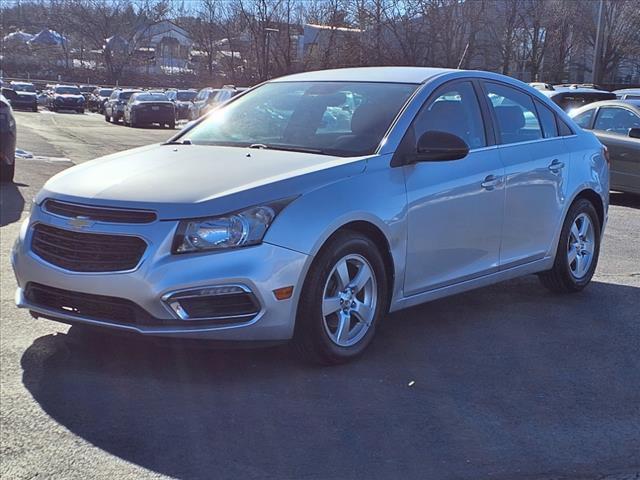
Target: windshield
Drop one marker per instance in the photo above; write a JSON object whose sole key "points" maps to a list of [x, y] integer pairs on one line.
{"points": [[68, 90], [105, 92], [186, 96], [23, 87], [151, 97], [334, 118]]}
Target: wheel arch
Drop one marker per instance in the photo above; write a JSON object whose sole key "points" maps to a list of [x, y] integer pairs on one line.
{"points": [[596, 200]]}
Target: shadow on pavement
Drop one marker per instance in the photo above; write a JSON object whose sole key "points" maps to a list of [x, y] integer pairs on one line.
{"points": [[625, 199], [11, 202], [508, 379]]}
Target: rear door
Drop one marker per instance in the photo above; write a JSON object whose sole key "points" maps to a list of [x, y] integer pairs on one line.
{"points": [[536, 164], [612, 126]]}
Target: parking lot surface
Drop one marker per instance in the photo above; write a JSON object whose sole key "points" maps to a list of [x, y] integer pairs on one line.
{"points": [[506, 382]]}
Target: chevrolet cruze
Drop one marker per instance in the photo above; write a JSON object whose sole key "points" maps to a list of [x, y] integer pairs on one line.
{"points": [[310, 206]]}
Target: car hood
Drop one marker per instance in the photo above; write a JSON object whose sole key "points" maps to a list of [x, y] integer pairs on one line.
{"points": [[27, 94], [67, 95], [182, 181]]}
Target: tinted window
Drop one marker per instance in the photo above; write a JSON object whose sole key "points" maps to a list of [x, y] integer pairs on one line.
{"points": [[548, 120], [584, 119], [23, 87], [455, 110], [151, 97], [616, 120], [292, 116], [565, 130], [105, 92], [126, 95], [515, 114], [67, 90], [185, 96]]}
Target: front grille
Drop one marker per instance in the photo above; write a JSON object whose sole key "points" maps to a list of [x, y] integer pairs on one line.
{"points": [[98, 214], [231, 305], [86, 252], [98, 307]]}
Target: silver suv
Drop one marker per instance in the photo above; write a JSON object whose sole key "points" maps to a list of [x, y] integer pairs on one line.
{"points": [[312, 205]]}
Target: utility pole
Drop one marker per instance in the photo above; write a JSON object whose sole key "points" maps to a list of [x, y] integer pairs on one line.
{"points": [[595, 73], [268, 31]]}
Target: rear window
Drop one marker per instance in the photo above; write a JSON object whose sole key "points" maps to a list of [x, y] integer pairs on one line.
{"points": [[569, 101], [105, 92], [186, 96], [151, 97], [126, 95], [67, 90]]}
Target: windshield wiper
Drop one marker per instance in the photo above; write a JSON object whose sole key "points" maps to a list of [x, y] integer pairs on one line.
{"points": [[288, 148], [186, 141]]}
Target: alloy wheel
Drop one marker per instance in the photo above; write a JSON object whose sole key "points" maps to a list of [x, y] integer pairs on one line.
{"points": [[581, 246], [349, 300]]}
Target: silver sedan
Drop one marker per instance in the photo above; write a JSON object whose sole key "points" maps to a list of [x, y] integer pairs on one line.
{"points": [[308, 207]]}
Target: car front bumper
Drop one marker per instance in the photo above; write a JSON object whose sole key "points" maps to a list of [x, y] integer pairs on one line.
{"points": [[260, 270]]}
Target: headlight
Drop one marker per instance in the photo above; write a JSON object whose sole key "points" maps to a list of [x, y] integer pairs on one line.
{"points": [[239, 229]]}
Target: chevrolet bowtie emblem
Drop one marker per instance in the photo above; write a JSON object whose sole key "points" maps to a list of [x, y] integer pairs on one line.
{"points": [[80, 222]]}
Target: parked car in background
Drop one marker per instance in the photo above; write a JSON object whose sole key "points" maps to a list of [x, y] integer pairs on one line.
{"points": [[114, 107], [66, 97], [274, 222], [228, 92], [87, 91], [98, 98], [201, 102], [7, 137], [182, 99], [616, 123], [27, 97], [628, 94], [146, 108], [575, 96]]}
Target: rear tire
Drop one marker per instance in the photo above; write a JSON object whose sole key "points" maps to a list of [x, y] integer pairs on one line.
{"points": [[34, 108], [7, 172], [578, 250], [338, 313], [171, 125]]}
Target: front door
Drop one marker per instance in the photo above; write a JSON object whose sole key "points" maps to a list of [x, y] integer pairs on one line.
{"points": [[455, 208]]}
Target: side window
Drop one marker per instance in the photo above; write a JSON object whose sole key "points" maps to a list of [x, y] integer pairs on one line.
{"points": [[515, 114], [455, 110], [616, 120], [548, 120], [584, 119]]}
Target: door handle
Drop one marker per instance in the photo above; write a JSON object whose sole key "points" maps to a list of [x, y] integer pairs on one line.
{"points": [[556, 166], [490, 182]]}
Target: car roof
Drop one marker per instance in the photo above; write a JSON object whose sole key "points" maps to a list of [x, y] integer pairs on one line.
{"points": [[21, 83], [561, 90], [368, 74], [627, 90], [634, 104]]}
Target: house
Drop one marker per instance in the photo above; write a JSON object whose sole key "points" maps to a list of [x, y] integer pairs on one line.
{"points": [[164, 45]]}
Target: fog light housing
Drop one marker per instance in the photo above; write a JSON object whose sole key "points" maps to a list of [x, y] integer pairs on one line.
{"points": [[226, 303]]}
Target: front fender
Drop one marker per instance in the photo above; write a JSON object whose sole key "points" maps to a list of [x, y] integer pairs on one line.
{"points": [[377, 196]]}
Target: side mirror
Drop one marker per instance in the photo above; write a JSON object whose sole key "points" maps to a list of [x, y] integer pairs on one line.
{"points": [[634, 132], [436, 146]]}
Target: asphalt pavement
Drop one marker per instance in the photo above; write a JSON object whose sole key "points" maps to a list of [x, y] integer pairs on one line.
{"points": [[505, 382]]}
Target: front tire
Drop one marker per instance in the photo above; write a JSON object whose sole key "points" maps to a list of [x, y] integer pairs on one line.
{"points": [[343, 299], [578, 250]]}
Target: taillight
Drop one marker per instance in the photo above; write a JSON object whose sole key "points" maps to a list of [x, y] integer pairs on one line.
{"points": [[605, 154]]}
